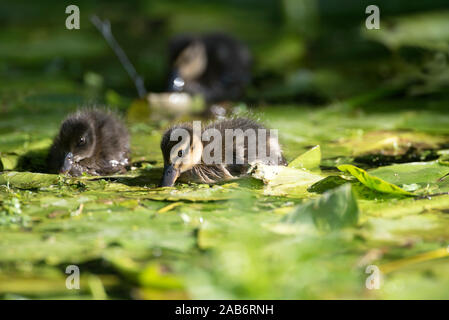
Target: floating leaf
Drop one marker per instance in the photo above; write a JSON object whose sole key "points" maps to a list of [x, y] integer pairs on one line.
{"points": [[193, 194], [308, 160], [402, 263], [371, 181], [390, 146], [169, 207], [327, 183], [46, 283], [11, 213], [280, 180], [444, 160], [154, 276], [175, 103], [8, 161], [333, 210], [28, 180], [423, 177]]}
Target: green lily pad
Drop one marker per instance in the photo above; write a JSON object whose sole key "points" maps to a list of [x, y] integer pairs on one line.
{"points": [[392, 146], [327, 183], [335, 209], [421, 177], [8, 162], [444, 157], [285, 181], [193, 194], [308, 160], [373, 182], [28, 180]]}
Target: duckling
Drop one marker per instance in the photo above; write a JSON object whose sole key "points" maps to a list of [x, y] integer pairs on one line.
{"points": [[91, 141], [215, 65], [218, 151]]}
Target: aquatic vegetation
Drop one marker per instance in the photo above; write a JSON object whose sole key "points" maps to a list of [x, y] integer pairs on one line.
{"points": [[362, 120], [202, 241]]}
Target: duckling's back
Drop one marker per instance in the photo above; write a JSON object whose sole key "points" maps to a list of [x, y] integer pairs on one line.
{"points": [[111, 130], [112, 140], [240, 152]]}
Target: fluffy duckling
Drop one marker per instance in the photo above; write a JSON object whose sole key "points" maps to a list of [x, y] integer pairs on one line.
{"points": [[91, 141], [210, 154], [214, 65]]}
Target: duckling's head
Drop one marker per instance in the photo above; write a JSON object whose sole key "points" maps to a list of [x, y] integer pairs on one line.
{"points": [[182, 150], [188, 65], [77, 141]]}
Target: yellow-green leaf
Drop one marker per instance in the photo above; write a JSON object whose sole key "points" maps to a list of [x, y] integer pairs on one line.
{"points": [[28, 180], [372, 182], [309, 160], [335, 209]]}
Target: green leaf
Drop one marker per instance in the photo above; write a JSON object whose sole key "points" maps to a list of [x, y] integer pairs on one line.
{"points": [[154, 276], [28, 180], [371, 181], [327, 184], [422, 177], [391, 144], [335, 209], [285, 181], [8, 162], [308, 160], [193, 193]]}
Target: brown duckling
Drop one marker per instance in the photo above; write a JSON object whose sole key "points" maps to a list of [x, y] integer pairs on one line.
{"points": [[91, 141], [214, 65], [220, 151]]}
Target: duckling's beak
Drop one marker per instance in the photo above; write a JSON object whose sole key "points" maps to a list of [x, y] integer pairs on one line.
{"points": [[170, 176], [68, 162]]}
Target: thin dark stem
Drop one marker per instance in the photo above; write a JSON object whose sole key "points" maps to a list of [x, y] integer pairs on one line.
{"points": [[105, 28], [443, 177]]}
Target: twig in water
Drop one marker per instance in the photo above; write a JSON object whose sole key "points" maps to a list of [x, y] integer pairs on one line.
{"points": [[443, 177], [105, 28]]}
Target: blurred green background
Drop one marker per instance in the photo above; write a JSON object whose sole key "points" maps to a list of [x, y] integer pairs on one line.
{"points": [[304, 50]]}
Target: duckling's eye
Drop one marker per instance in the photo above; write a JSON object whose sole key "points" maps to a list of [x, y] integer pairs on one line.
{"points": [[180, 153], [82, 141]]}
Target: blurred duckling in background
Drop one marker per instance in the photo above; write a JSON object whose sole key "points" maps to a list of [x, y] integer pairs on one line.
{"points": [[216, 66], [185, 159], [90, 141]]}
